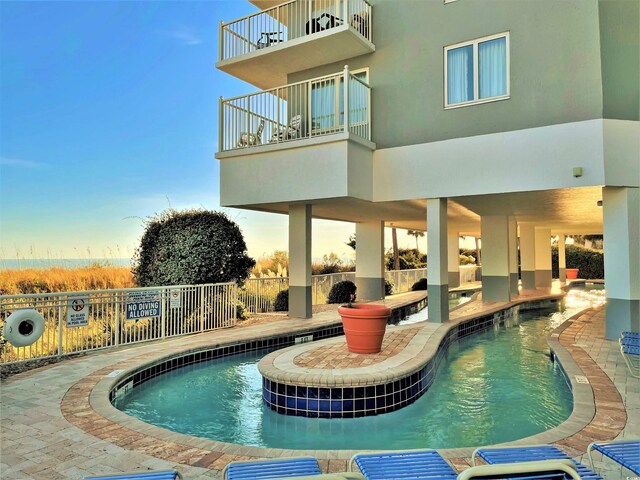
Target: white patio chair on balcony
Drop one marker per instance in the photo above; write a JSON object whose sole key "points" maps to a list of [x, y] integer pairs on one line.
{"points": [[248, 139], [290, 132]]}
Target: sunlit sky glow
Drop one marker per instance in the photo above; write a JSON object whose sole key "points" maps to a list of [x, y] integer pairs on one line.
{"points": [[108, 114]]}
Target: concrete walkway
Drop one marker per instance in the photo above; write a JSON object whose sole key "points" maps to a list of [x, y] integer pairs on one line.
{"points": [[54, 426]]}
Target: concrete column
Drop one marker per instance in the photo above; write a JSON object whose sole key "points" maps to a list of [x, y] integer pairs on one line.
{"points": [[543, 257], [621, 210], [513, 256], [495, 258], [437, 271], [562, 259], [370, 260], [300, 261], [528, 256], [453, 252]]}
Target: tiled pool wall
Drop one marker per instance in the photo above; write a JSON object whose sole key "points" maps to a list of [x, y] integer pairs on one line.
{"points": [[183, 359], [359, 401]]}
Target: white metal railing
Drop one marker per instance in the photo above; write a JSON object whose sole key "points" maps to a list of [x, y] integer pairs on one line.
{"points": [[321, 106], [290, 20], [110, 319]]}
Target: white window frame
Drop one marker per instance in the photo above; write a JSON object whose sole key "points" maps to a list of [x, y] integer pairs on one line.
{"points": [[476, 80]]}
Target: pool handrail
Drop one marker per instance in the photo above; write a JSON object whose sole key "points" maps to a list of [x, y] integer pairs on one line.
{"points": [[536, 467]]}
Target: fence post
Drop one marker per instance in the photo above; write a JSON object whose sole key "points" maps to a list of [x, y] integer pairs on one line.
{"points": [[202, 308], [163, 312], [117, 326], [221, 125], [66, 299], [346, 98]]}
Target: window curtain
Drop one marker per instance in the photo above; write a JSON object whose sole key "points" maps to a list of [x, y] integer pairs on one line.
{"points": [[323, 105], [492, 65], [460, 74]]}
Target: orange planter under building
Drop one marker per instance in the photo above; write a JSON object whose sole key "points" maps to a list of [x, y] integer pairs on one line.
{"points": [[364, 326], [572, 273]]}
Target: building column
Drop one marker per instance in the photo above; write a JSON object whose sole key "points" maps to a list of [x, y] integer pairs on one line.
{"points": [[370, 260], [621, 210], [495, 258], [543, 257], [300, 261], [437, 271], [562, 258], [513, 256], [528, 256], [453, 249]]}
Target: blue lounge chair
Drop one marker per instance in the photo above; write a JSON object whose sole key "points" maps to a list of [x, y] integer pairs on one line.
{"points": [[529, 454], [148, 475], [272, 468], [626, 453], [414, 464], [630, 350]]}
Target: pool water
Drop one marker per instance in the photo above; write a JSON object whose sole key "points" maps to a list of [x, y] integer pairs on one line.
{"points": [[492, 387]]}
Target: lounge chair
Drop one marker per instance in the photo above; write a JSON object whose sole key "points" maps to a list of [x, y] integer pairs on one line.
{"points": [[498, 455], [248, 139], [148, 475], [267, 39], [272, 468], [630, 350], [626, 453], [542, 469], [290, 132], [427, 464]]}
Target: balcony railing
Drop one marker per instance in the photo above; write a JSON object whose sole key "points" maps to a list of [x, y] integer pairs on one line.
{"points": [[321, 106], [291, 20]]}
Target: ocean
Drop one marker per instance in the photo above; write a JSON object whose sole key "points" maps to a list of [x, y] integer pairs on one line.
{"points": [[44, 263]]}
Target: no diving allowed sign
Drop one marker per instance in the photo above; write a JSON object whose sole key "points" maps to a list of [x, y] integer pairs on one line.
{"points": [[143, 304]]}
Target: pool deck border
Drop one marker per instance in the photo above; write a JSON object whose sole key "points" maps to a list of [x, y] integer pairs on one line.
{"points": [[599, 413]]}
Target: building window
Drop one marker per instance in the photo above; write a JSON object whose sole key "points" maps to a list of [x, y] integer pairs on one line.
{"points": [[477, 71]]}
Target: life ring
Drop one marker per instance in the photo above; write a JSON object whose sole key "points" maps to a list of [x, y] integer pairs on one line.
{"points": [[23, 327]]}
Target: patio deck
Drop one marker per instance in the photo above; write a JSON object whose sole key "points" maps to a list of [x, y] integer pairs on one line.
{"points": [[57, 422]]}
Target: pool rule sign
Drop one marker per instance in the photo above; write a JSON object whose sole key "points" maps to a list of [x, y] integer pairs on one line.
{"points": [[144, 304], [77, 311]]}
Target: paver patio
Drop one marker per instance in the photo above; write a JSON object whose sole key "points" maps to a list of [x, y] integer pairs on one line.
{"points": [[55, 426]]}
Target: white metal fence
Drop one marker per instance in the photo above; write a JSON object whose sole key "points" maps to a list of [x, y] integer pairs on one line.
{"points": [[290, 20], [110, 317], [321, 106]]}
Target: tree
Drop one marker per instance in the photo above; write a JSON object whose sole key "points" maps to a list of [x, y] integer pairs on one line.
{"points": [[415, 233], [352, 241], [396, 254], [191, 247]]}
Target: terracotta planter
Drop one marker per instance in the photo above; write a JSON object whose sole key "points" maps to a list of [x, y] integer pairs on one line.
{"points": [[572, 273], [364, 326]]}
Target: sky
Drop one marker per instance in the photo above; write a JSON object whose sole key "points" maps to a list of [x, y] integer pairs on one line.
{"points": [[108, 115]]}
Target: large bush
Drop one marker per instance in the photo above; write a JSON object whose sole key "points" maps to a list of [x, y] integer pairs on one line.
{"points": [[341, 292], [419, 285], [281, 303], [191, 247], [590, 262]]}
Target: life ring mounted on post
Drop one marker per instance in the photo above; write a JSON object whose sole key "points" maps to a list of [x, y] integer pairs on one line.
{"points": [[23, 327]]}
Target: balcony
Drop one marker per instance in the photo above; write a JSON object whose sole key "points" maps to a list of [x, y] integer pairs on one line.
{"points": [[263, 48], [317, 109]]}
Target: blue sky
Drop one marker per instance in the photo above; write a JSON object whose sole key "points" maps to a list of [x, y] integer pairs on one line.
{"points": [[108, 114]]}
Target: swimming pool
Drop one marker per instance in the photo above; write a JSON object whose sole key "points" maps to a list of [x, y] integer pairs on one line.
{"points": [[483, 393]]}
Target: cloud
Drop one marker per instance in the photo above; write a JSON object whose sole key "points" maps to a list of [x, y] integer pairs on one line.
{"points": [[186, 36], [20, 163]]}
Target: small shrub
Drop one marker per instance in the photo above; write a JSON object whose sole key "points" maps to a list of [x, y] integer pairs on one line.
{"points": [[241, 310], [341, 292], [281, 303], [388, 287], [419, 285]]}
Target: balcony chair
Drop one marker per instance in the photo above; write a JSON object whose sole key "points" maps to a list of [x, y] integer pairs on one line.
{"points": [[290, 132], [248, 139], [268, 39], [626, 453], [630, 350], [323, 22], [501, 455], [148, 475]]}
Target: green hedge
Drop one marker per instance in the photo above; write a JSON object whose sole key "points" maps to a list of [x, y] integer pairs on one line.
{"points": [[590, 262]]}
